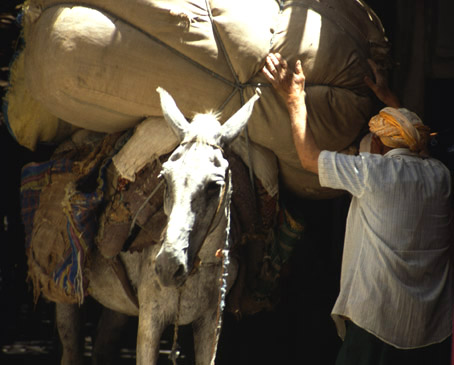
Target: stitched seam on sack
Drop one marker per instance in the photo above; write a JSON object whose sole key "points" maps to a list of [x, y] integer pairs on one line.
{"points": [[152, 37]]}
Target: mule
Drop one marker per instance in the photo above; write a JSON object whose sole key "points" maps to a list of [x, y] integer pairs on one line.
{"points": [[185, 278]]}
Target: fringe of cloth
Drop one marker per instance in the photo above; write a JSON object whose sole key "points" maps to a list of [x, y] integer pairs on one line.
{"points": [[60, 277], [263, 256], [288, 231], [34, 177]]}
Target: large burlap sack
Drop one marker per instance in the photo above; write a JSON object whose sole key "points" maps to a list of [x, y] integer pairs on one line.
{"points": [[97, 65], [31, 121]]}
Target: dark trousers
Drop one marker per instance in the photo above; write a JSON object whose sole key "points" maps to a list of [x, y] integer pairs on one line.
{"points": [[362, 348]]}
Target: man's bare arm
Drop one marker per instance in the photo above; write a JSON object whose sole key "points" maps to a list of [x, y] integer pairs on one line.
{"points": [[290, 85], [380, 86]]}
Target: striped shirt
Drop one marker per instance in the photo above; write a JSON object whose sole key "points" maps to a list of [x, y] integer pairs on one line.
{"points": [[396, 279]]}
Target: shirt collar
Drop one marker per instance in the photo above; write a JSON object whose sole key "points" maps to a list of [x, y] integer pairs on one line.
{"points": [[400, 152]]}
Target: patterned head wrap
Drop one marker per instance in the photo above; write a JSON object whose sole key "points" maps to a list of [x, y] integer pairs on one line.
{"points": [[400, 128]]}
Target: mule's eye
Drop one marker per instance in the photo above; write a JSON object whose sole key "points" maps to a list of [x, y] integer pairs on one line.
{"points": [[175, 156], [213, 188]]}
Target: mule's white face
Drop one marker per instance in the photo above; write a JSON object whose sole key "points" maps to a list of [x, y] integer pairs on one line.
{"points": [[196, 177]]}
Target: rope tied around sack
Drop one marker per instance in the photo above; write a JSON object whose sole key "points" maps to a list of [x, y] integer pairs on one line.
{"points": [[237, 85]]}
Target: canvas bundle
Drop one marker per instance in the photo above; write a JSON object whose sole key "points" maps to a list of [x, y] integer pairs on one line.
{"points": [[96, 64]]}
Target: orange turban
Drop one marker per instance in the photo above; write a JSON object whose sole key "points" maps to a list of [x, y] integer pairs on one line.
{"points": [[400, 128]]}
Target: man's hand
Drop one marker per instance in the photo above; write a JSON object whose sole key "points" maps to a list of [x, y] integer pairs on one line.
{"points": [[289, 84], [380, 86]]}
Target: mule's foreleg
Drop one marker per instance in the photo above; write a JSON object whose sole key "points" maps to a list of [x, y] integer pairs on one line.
{"points": [[69, 325], [206, 338], [148, 336]]}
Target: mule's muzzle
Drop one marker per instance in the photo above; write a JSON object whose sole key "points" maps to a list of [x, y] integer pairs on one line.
{"points": [[171, 271]]}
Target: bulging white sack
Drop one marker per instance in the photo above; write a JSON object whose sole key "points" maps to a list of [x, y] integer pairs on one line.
{"points": [[97, 66]]}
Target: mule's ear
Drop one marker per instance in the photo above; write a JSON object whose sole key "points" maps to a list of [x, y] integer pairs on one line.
{"points": [[172, 114], [233, 127]]}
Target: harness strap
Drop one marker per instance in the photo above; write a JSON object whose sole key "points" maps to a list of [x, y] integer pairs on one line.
{"points": [[221, 203]]}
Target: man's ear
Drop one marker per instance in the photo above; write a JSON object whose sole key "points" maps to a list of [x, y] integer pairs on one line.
{"points": [[376, 146]]}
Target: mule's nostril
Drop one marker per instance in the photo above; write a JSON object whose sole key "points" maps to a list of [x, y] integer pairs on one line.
{"points": [[179, 272]]}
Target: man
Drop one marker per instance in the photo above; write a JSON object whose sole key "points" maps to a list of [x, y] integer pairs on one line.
{"points": [[395, 299]]}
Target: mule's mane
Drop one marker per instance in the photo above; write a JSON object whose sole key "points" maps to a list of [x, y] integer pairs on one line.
{"points": [[201, 140], [204, 130], [209, 114]]}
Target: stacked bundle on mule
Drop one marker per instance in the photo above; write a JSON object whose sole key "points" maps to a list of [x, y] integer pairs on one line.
{"points": [[96, 64]]}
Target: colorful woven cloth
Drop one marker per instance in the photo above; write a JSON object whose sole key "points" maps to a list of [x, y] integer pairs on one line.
{"points": [[287, 232], [34, 177], [80, 209], [60, 201]]}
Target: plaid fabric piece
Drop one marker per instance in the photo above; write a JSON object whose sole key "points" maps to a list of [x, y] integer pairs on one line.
{"points": [[81, 210], [34, 177], [80, 200], [288, 231]]}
